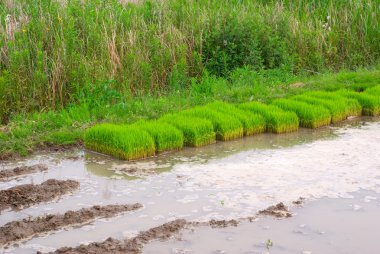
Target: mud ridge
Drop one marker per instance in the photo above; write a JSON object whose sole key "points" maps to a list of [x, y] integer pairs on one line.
{"points": [[130, 246], [23, 196], [278, 211], [28, 228], [19, 171]]}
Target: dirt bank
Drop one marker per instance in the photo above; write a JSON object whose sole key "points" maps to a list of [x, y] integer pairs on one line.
{"points": [[25, 195], [27, 228], [19, 171], [133, 245]]}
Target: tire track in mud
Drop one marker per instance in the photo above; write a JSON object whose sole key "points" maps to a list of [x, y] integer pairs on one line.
{"points": [[28, 228], [23, 196], [8, 174]]}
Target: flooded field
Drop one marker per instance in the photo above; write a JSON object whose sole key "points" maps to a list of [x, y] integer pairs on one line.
{"points": [[335, 170]]}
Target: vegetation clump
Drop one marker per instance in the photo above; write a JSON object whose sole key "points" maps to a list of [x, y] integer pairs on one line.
{"points": [[252, 123], [339, 109], [375, 90], [277, 120], [310, 116], [122, 141], [226, 126], [166, 136], [196, 131], [369, 103]]}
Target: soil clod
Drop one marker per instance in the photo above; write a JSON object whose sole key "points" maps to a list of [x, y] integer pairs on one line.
{"points": [[130, 246], [223, 223], [19, 171], [299, 201], [22, 196], [278, 211], [27, 228]]}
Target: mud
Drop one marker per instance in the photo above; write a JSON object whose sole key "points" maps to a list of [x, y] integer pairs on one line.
{"points": [[278, 211], [7, 174], [23, 196], [133, 245], [223, 223], [28, 228]]}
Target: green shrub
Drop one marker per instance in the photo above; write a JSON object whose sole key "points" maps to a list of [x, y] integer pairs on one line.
{"points": [[121, 141], [277, 120], [196, 131], [166, 136], [369, 103], [252, 123], [309, 116], [226, 127]]}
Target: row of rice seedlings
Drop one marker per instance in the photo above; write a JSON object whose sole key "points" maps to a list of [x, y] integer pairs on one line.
{"points": [[338, 109], [196, 131], [277, 120], [353, 106], [369, 103], [309, 116], [122, 141], [166, 137], [375, 90], [252, 123], [225, 126]]}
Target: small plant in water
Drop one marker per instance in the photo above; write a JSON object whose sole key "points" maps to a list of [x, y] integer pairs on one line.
{"points": [[269, 244], [222, 202]]}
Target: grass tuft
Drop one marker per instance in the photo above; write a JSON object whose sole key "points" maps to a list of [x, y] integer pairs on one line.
{"points": [[309, 116], [252, 123], [122, 141], [277, 120], [166, 136], [375, 90], [226, 126], [369, 103], [196, 131]]}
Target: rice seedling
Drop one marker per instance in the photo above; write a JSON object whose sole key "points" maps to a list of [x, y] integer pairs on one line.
{"points": [[196, 131], [252, 123], [375, 90], [122, 141], [225, 126], [309, 116], [166, 137], [339, 109], [277, 120], [369, 103], [354, 108]]}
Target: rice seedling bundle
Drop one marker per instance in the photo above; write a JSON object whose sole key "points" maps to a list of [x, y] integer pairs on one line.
{"points": [[196, 131], [277, 120], [252, 123], [339, 109], [309, 116], [369, 103], [122, 141], [166, 137], [226, 127], [353, 106], [375, 90]]}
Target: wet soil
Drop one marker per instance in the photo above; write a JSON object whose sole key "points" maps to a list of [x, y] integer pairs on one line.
{"points": [[27, 228], [22, 196], [223, 223], [278, 211], [7, 174], [133, 245]]}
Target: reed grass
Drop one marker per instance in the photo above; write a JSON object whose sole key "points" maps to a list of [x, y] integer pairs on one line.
{"points": [[196, 131], [121, 141], [226, 127], [370, 103], [166, 137], [309, 116], [277, 120], [252, 123]]}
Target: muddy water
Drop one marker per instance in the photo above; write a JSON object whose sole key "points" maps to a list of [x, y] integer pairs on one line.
{"points": [[222, 181]]}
